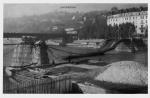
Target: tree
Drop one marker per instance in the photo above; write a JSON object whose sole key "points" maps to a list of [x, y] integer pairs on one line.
{"points": [[94, 26], [141, 8], [120, 31], [114, 10], [126, 30], [146, 31]]}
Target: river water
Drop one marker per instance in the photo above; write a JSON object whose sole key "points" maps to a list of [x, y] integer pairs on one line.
{"points": [[141, 57]]}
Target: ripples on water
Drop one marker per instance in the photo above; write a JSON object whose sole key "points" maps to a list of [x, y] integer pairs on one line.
{"points": [[141, 57]]}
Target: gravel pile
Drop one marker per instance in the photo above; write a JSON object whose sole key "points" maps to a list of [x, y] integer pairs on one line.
{"points": [[125, 72]]}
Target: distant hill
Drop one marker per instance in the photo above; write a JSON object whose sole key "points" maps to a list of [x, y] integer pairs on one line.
{"points": [[42, 23], [88, 25]]}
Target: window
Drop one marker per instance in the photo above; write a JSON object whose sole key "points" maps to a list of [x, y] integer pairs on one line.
{"points": [[135, 26], [142, 29], [142, 22], [142, 17]]}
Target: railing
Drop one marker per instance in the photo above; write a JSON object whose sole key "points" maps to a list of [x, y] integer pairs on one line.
{"points": [[58, 85]]}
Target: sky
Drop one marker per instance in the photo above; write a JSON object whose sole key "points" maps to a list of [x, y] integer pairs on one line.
{"points": [[19, 10]]}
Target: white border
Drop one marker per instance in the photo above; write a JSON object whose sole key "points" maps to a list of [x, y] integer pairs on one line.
{"points": [[75, 1], [61, 95]]}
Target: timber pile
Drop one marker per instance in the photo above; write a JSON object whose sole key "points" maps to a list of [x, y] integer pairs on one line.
{"points": [[30, 74], [25, 82]]}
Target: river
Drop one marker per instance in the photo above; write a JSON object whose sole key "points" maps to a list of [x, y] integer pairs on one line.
{"points": [[141, 57]]}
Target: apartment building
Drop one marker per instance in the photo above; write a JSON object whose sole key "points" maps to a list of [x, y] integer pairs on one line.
{"points": [[139, 19]]}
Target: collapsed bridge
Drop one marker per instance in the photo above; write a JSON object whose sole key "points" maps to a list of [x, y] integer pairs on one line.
{"points": [[44, 36], [42, 54]]}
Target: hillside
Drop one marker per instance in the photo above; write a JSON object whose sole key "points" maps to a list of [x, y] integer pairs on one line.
{"points": [[42, 23], [88, 25]]}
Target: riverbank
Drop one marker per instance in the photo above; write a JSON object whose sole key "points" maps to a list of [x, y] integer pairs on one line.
{"points": [[83, 75]]}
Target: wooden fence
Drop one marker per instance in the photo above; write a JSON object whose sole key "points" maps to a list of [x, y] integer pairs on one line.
{"points": [[58, 85]]}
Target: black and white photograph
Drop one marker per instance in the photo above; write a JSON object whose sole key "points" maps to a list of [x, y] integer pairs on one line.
{"points": [[75, 48]]}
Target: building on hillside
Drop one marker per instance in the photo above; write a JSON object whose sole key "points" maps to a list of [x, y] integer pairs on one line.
{"points": [[71, 34], [54, 28], [139, 19]]}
